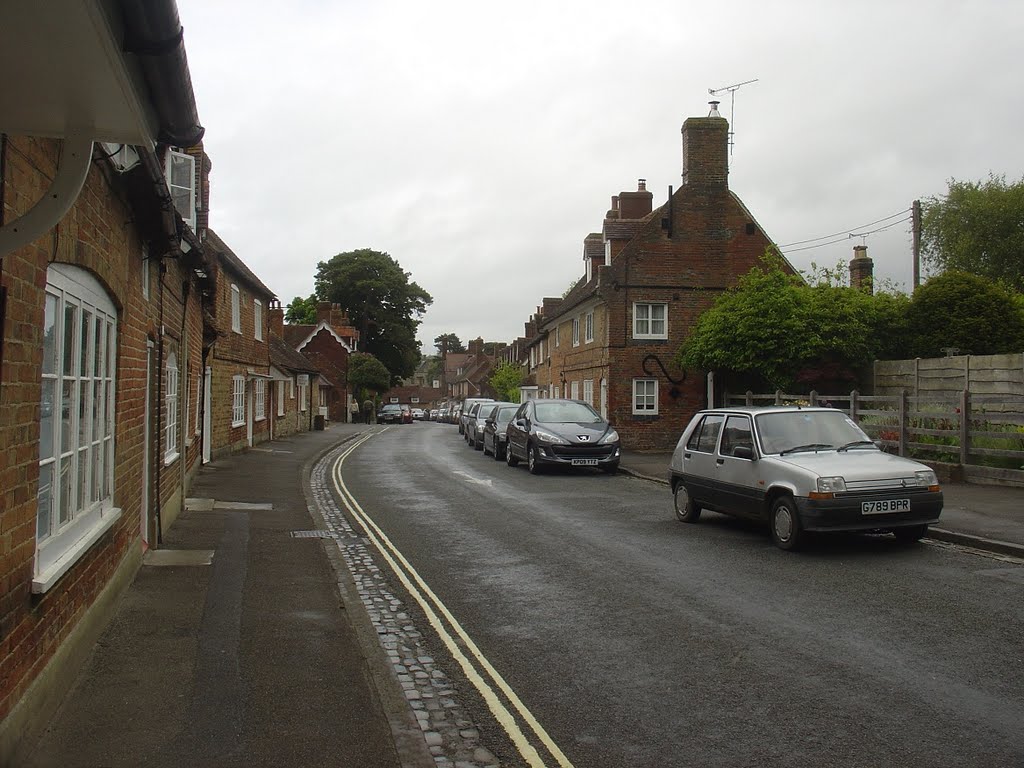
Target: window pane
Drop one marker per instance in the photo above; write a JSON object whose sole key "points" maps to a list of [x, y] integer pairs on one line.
{"points": [[100, 348], [97, 472], [68, 390], [84, 413], [66, 491], [98, 423], [47, 404], [85, 359], [50, 336], [70, 328], [84, 486], [44, 500], [111, 353], [109, 468]]}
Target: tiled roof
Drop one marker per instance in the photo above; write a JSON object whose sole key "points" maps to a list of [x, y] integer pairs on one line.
{"points": [[284, 356], [219, 248]]}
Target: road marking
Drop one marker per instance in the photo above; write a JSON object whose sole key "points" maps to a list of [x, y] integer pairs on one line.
{"points": [[428, 601], [471, 479]]}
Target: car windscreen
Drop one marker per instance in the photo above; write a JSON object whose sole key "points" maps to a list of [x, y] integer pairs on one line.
{"points": [[390, 408], [504, 414], [780, 432], [566, 413]]}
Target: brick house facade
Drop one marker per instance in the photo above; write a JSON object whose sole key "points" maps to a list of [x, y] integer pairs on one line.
{"points": [[239, 356], [647, 277], [327, 344]]}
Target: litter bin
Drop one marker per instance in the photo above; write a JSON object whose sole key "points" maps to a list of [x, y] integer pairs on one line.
{"points": [[318, 422]]}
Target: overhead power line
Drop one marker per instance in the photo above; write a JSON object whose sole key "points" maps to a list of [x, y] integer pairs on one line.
{"points": [[846, 236], [904, 212]]}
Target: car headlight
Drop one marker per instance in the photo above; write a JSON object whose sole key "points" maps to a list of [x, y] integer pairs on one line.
{"points": [[611, 436], [549, 437], [926, 478], [831, 484]]}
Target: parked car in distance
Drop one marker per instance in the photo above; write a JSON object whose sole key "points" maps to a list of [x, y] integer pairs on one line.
{"points": [[495, 424], [432, 414], [391, 413], [467, 406], [418, 414], [556, 432], [475, 425], [800, 469]]}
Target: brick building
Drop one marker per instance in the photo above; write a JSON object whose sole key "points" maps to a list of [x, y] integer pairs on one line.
{"points": [[289, 370], [103, 287], [327, 344], [648, 275], [239, 355]]}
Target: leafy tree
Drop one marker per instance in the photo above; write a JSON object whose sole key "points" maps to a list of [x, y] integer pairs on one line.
{"points": [[301, 311], [448, 342], [977, 227], [382, 303], [967, 312], [367, 374], [506, 380], [773, 329]]}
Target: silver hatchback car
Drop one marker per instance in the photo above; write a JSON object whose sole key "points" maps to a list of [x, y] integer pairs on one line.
{"points": [[801, 469]]}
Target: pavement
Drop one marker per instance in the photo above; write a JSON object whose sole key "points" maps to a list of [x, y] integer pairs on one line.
{"points": [[242, 644]]}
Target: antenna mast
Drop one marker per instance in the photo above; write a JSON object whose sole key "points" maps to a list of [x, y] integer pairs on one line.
{"points": [[732, 107]]}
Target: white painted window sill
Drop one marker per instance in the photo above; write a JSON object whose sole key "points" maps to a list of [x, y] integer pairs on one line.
{"points": [[44, 580], [170, 458]]}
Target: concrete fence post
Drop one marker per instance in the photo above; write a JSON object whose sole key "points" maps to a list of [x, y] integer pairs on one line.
{"points": [[853, 406], [750, 398], [778, 397], [711, 389], [814, 397], [965, 406], [904, 418]]}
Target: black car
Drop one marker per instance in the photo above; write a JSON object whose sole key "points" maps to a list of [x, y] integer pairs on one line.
{"points": [[392, 413], [493, 433], [566, 433]]}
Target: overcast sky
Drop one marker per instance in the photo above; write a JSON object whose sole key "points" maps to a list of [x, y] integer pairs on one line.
{"points": [[478, 143]]}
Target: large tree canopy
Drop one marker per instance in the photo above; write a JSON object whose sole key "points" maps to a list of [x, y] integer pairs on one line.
{"points": [[367, 374], [773, 329], [965, 312], [448, 342], [382, 303], [977, 227], [301, 311]]}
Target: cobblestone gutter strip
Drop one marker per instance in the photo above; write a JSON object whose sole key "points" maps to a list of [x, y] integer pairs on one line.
{"points": [[450, 736]]}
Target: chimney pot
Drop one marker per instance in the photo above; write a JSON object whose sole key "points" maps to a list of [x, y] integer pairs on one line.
{"points": [[714, 109], [641, 185]]}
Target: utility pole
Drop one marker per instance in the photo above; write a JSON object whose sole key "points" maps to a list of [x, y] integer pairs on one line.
{"points": [[915, 217], [732, 106]]}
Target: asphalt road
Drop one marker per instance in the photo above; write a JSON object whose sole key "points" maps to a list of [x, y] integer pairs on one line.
{"points": [[636, 640]]}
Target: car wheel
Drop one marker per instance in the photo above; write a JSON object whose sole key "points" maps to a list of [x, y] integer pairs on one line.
{"points": [[910, 534], [687, 510], [785, 524], [498, 454], [478, 444], [531, 460], [484, 447], [510, 458]]}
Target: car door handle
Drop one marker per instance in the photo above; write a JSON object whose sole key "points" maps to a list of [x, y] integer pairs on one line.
{"points": [[686, 455], [719, 461]]}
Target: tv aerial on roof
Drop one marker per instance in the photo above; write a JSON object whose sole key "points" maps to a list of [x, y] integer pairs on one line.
{"points": [[731, 89]]}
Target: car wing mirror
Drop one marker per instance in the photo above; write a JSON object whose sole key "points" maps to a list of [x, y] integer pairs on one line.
{"points": [[744, 452], [520, 422]]}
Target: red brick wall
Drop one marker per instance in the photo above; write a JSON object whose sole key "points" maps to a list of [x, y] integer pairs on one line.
{"points": [[331, 359], [96, 235]]}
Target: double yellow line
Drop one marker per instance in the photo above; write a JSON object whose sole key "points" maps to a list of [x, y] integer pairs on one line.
{"points": [[478, 670]]}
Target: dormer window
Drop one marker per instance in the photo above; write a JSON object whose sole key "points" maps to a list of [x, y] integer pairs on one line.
{"points": [[181, 181]]}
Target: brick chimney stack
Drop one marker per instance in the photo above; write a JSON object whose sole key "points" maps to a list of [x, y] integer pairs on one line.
{"points": [[476, 346], [862, 270], [636, 205], [275, 317], [706, 151]]}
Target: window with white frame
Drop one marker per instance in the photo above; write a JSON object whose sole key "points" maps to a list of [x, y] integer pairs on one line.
{"points": [[76, 428], [186, 406], [575, 331], [414, 399], [257, 319], [279, 386], [556, 336], [588, 391], [237, 401], [236, 309], [588, 327], [645, 397], [180, 171], [171, 402], [145, 273], [291, 389], [199, 399], [574, 390], [650, 321], [259, 399], [303, 393], [607, 253], [558, 392]]}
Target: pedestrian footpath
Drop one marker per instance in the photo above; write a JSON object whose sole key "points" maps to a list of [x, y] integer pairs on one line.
{"points": [[988, 517], [233, 646]]}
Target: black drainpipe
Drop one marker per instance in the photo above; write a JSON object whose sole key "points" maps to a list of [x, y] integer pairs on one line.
{"points": [[183, 420], [159, 406]]}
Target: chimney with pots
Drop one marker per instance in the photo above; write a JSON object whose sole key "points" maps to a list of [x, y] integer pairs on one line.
{"points": [[476, 346], [636, 205], [706, 151], [862, 270], [275, 318]]}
